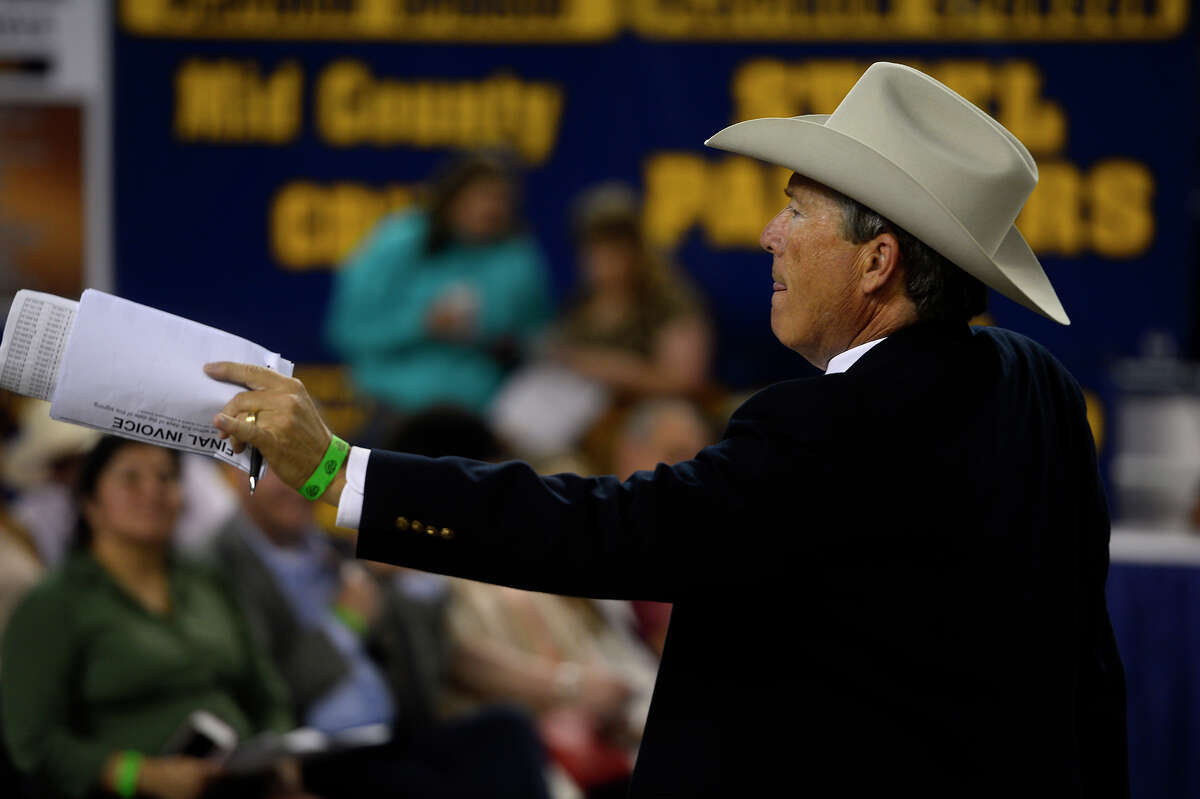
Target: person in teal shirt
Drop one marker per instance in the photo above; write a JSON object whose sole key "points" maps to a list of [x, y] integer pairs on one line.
{"points": [[438, 301]]}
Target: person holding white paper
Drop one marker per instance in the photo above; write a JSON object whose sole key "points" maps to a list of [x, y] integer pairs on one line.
{"points": [[888, 578]]}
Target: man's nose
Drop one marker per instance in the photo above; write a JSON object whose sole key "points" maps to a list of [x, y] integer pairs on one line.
{"points": [[769, 239]]}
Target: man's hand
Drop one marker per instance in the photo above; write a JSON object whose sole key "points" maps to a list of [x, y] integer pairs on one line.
{"points": [[287, 430]]}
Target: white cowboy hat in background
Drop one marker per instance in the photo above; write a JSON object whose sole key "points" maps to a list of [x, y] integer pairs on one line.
{"points": [[42, 441], [911, 149]]}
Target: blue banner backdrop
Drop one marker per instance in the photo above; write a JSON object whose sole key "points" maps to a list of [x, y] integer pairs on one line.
{"points": [[256, 142]]}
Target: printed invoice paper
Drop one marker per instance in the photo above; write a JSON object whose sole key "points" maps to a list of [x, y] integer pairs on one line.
{"points": [[125, 368]]}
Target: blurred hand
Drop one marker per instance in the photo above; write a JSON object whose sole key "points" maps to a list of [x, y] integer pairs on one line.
{"points": [[604, 693], [359, 592], [289, 780], [175, 776], [288, 430], [453, 316]]}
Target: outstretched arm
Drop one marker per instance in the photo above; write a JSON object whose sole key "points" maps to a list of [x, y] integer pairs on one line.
{"points": [[654, 536]]}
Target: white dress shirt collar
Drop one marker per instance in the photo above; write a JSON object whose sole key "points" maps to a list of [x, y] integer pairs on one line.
{"points": [[842, 362]]}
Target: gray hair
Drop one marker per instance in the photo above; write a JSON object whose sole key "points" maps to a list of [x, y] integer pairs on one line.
{"points": [[939, 289]]}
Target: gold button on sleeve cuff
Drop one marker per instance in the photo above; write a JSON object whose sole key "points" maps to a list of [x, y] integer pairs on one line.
{"points": [[417, 527], [401, 523], [447, 533]]}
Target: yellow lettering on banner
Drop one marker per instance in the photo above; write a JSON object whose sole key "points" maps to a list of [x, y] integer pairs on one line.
{"points": [[974, 80], [1110, 210], [354, 107], [676, 191], [1039, 123], [1052, 220], [764, 87], [730, 199], [734, 203], [827, 82], [228, 101], [396, 20], [761, 88], [721, 20], [1107, 210], [1122, 218], [314, 226], [909, 20]]}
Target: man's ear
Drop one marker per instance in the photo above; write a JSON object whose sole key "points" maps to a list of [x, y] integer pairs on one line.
{"points": [[881, 257]]}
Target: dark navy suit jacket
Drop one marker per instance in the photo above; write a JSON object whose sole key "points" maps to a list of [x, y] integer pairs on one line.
{"points": [[886, 580]]}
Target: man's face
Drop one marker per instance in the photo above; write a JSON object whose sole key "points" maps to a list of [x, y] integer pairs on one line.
{"points": [[278, 510], [815, 302]]}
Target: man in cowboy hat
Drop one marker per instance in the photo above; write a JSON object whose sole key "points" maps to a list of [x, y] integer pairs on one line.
{"points": [[888, 578]]}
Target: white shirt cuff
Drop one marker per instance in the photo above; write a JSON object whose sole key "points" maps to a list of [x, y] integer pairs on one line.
{"points": [[349, 511]]}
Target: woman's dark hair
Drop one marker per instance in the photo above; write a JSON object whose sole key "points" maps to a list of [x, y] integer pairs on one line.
{"points": [[86, 480], [449, 181]]}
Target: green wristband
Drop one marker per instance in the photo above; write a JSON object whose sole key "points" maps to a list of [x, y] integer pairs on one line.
{"points": [[326, 469], [127, 774], [351, 618]]}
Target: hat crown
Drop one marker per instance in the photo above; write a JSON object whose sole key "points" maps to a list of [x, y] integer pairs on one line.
{"points": [[979, 171]]}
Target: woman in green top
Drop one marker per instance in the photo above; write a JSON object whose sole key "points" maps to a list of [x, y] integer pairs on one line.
{"points": [[110, 654]]}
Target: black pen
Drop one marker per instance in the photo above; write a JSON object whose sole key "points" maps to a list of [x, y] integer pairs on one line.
{"points": [[255, 458]]}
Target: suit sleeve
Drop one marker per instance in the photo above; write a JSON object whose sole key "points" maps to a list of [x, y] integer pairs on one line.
{"points": [[658, 535]]}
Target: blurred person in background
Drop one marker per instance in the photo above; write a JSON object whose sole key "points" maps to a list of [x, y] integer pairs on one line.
{"points": [[658, 431], [439, 302], [635, 323], [635, 327], [355, 651], [575, 663], [40, 467], [105, 660], [40, 464], [21, 568]]}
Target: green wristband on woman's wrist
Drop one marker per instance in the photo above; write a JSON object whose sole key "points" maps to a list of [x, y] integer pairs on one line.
{"points": [[352, 619], [322, 476], [128, 770]]}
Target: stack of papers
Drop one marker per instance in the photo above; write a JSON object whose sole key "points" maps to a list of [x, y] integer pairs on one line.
{"points": [[125, 368]]}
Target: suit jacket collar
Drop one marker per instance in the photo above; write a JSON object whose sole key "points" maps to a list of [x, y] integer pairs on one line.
{"points": [[918, 340]]}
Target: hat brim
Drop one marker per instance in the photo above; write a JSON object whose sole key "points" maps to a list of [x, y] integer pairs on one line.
{"points": [[806, 146]]}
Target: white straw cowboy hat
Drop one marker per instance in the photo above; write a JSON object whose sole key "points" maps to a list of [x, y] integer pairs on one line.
{"points": [[909, 148]]}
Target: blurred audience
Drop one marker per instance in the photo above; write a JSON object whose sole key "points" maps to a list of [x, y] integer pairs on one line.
{"points": [[576, 663], [658, 431], [20, 568], [39, 466], [356, 651], [439, 302], [635, 322], [635, 327], [113, 651]]}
